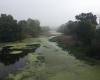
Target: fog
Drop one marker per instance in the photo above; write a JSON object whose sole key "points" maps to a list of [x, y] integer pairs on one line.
{"points": [[49, 12]]}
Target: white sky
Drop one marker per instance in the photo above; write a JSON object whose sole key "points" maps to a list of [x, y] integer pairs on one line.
{"points": [[49, 12]]}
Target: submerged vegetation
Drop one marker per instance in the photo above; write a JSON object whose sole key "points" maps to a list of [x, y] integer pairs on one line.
{"points": [[56, 64], [14, 54]]}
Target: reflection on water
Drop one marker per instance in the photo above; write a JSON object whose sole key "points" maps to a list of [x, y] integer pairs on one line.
{"points": [[6, 69], [10, 62]]}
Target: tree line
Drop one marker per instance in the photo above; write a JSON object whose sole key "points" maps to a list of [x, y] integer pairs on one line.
{"points": [[85, 29], [13, 30]]}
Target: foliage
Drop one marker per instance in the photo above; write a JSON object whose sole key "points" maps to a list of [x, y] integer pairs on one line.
{"points": [[33, 27], [11, 30], [45, 29], [85, 32], [87, 17], [23, 27], [84, 27]]}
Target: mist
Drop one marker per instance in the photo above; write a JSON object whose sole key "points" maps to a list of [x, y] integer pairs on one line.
{"points": [[49, 12]]}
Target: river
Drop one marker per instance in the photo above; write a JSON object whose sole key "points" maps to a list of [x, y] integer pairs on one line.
{"points": [[63, 66], [57, 65]]}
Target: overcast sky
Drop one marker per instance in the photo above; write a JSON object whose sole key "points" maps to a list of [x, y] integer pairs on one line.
{"points": [[49, 12]]}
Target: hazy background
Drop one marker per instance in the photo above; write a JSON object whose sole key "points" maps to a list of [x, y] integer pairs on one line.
{"points": [[49, 12]]}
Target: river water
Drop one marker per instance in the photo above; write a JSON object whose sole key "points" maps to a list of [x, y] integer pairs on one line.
{"points": [[58, 65], [12, 60], [63, 66]]}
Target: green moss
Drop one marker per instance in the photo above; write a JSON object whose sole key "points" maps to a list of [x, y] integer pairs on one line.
{"points": [[31, 58], [16, 52], [28, 71], [21, 44], [18, 45], [59, 65]]}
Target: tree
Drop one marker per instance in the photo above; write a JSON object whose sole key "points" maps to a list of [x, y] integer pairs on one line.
{"points": [[33, 27], [9, 30], [45, 29], [29, 28], [23, 28], [68, 28], [87, 17], [86, 27], [85, 32]]}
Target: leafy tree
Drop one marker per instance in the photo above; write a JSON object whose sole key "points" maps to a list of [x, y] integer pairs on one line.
{"points": [[9, 30], [23, 28], [69, 28], [29, 27], [33, 27], [85, 32], [86, 27], [87, 17]]}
